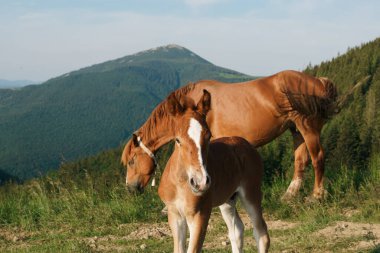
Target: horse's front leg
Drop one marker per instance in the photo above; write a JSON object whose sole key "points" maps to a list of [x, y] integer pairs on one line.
{"points": [[198, 226], [177, 225]]}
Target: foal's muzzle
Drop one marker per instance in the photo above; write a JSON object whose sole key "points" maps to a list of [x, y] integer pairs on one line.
{"points": [[199, 186]]}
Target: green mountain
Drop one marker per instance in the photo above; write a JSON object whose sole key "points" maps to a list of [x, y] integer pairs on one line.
{"points": [[92, 109]]}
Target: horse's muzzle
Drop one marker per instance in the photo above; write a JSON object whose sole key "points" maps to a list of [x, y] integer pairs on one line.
{"points": [[135, 188]]}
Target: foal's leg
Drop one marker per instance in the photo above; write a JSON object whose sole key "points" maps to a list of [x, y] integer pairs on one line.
{"points": [[251, 198], [301, 160], [234, 224], [197, 225], [177, 225]]}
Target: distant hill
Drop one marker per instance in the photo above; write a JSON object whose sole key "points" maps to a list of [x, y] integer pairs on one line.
{"points": [[92, 109], [11, 84]]}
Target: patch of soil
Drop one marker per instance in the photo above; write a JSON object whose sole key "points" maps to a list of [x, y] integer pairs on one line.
{"points": [[14, 235], [272, 224], [369, 233], [146, 231]]}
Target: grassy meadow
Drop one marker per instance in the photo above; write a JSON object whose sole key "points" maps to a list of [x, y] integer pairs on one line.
{"points": [[92, 212]]}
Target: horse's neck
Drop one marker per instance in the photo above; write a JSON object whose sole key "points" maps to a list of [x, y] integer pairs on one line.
{"points": [[158, 137]]}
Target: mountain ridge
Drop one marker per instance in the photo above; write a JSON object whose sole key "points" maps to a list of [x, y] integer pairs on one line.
{"points": [[94, 108]]}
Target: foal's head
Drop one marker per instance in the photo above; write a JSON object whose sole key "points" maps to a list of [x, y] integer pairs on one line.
{"points": [[192, 137], [191, 132]]}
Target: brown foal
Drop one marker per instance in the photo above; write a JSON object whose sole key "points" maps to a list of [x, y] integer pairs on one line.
{"points": [[201, 175]]}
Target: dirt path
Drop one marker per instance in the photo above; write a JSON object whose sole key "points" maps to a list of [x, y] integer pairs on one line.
{"points": [[145, 237]]}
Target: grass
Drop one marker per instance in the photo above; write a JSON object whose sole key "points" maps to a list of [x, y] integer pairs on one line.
{"points": [[50, 214]]}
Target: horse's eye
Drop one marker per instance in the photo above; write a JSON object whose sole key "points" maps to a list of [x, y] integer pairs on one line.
{"points": [[177, 141], [132, 161]]}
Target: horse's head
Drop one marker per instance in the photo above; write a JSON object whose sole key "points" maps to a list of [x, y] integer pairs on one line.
{"points": [[192, 137], [139, 162]]}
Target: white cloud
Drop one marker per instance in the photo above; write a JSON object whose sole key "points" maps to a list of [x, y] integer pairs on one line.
{"points": [[47, 44]]}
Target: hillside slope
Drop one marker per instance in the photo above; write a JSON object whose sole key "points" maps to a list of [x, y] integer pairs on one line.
{"points": [[352, 137], [92, 109]]}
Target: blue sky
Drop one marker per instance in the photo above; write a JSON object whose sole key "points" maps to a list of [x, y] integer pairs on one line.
{"points": [[47, 38]]}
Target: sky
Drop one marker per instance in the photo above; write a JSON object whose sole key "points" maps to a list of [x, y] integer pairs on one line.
{"points": [[41, 39]]}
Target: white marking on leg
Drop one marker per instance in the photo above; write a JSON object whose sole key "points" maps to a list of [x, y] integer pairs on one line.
{"points": [[181, 224], [178, 226], [259, 226], [294, 186], [194, 131], [192, 227], [235, 226]]}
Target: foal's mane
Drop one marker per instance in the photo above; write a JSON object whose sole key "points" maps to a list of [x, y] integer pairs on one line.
{"points": [[161, 116]]}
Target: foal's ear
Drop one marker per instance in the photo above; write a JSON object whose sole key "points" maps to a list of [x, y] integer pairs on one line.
{"points": [[135, 140], [174, 106], [204, 103]]}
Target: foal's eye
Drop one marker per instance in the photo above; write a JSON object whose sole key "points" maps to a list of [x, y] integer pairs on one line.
{"points": [[177, 141]]}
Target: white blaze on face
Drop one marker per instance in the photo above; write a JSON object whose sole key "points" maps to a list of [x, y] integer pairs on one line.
{"points": [[195, 130]]}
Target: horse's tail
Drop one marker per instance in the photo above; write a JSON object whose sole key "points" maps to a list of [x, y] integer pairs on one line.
{"points": [[306, 105], [342, 100], [325, 106]]}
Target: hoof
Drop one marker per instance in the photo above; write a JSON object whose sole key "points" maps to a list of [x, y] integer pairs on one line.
{"points": [[312, 200], [287, 197], [164, 211], [316, 197]]}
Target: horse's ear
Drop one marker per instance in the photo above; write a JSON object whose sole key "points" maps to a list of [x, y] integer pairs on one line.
{"points": [[174, 106], [204, 103], [135, 140]]}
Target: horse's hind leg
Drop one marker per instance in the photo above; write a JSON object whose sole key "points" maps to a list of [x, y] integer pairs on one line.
{"points": [[301, 160], [311, 133], [178, 227], [251, 198], [234, 224]]}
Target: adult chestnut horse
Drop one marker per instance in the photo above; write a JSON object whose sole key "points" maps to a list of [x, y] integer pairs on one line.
{"points": [[259, 111], [201, 175]]}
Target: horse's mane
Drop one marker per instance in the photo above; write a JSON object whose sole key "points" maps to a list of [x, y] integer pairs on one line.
{"points": [[311, 105], [161, 113]]}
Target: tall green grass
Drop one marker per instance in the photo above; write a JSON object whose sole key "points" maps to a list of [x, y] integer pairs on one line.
{"points": [[47, 202], [347, 189], [93, 200]]}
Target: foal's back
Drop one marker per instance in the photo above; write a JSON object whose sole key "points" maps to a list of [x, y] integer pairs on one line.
{"points": [[232, 164]]}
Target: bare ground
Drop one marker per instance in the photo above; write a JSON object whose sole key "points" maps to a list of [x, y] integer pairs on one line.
{"points": [[143, 236]]}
